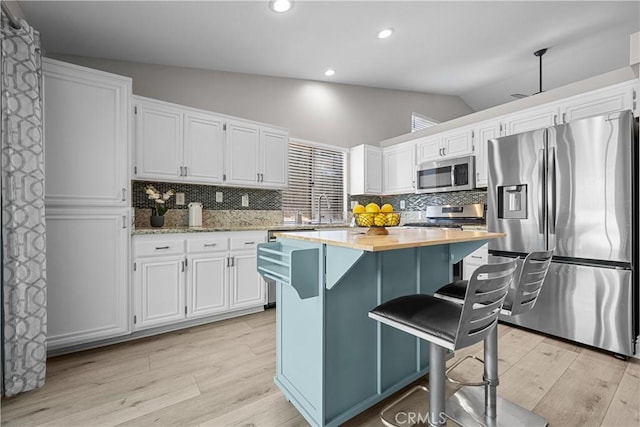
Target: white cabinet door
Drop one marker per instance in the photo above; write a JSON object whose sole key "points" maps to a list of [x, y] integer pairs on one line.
{"points": [[532, 119], [365, 170], [203, 148], [159, 141], [242, 148], [373, 171], [86, 133], [246, 285], [429, 148], [87, 275], [603, 101], [274, 153], [483, 133], [398, 168], [457, 143], [159, 291], [207, 284]]}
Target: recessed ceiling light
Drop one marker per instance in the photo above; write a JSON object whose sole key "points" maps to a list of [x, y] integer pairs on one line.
{"points": [[383, 34], [330, 72], [280, 6]]}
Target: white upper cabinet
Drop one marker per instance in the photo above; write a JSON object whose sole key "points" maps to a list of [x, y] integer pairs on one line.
{"points": [[481, 134], [429, 148], [274, 158], [603, 101], [203, 148], [176, 144], [399, 169], [445, 145], [243, 153], [257, 156], [365, 170], [532, 119], [86, 134], [159, 141]]}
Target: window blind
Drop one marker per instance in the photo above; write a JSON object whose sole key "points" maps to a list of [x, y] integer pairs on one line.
{"points": [[419, 122], [314, 171]]}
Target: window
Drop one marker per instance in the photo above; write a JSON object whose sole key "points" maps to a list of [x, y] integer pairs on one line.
{"points": [[315, 170], [419, 122]]}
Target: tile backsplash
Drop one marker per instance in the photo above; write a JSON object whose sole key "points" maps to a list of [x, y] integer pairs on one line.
{"points": [[419, 202], [266, 200]]}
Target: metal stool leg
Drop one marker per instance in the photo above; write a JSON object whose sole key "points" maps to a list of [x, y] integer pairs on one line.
{"points": [[491, 373], [468, 407], [437, 401]]}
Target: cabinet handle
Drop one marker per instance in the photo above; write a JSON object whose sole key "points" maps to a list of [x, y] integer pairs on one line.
{"points": [[180, 172], [186, 171], [228, 261], [162, 247], [233, 262], [475, 257], [249, 243], [182, 265], [564, 117], [209, 245], [124, 221], [262, 175], [124, 194], [258, 177]]}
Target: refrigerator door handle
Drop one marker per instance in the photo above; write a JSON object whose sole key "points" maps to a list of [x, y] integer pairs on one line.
{"points": [[551, 193], [541, 210]]}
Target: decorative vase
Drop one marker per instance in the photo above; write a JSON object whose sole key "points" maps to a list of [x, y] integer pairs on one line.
{"points": [[157, 221]]}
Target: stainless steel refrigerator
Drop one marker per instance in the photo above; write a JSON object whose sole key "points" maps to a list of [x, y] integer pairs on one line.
{"points": [[573, 187]]}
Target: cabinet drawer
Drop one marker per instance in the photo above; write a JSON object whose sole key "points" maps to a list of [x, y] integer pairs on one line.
{"points": [[246, 242], [479, 256], [159, 247], [196, 245]]}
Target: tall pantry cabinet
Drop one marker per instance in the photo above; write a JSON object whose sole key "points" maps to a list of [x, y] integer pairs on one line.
{"points": [[87, 151]]}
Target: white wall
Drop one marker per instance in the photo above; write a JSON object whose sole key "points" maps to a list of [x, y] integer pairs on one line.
{"points": [[337, 114]]}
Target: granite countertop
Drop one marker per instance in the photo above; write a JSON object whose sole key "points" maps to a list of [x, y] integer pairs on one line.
{"points": [[398, 238], [286, 227]]}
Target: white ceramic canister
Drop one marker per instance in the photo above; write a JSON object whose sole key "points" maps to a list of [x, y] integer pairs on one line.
{"points": [[195, 214]]}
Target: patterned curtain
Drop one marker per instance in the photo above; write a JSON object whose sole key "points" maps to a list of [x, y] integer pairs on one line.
{"points": [[24, 298]]}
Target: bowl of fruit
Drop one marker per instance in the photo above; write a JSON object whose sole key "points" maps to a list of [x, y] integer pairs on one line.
{"points": [[376, 218]]}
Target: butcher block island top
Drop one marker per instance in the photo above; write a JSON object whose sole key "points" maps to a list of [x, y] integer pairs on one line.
{"points": [[398, 238]]}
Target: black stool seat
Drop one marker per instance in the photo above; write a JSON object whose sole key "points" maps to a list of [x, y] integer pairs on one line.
{"points": [[456, 290], [428, 314]]}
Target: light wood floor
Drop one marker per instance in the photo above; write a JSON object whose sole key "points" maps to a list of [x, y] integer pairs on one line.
{"points": [[222, 375]]}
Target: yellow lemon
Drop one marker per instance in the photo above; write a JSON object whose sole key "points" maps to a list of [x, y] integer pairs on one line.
{"points": [[380, 220], [392, 219], [386, 208], [365, 220], [372, 208], [358, 209]]}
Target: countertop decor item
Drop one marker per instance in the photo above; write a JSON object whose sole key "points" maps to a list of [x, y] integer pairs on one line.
{"points": [[376, 218], [157, 212]]}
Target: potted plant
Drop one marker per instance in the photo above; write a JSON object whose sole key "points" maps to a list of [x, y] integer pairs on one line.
{"points": [[157, 212]]}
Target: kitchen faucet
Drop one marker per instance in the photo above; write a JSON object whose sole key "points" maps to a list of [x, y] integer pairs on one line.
{"points": [[320, 207]]}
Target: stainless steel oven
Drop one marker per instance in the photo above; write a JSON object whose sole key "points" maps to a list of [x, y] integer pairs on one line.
{"points": [[446, 175]]}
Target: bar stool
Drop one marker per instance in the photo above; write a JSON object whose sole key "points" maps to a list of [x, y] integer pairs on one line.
{"points": [[467, 405], [449, 326]]}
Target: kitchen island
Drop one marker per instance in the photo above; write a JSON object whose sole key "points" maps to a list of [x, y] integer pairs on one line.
{"points": [[332, 361]]}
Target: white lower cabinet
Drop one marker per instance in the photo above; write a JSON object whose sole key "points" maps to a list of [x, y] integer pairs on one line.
{"points": [[87, 275], [161, 291], [185, 277], [474, 260]]}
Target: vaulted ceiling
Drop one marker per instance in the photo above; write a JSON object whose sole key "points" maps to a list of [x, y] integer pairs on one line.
{"points": [[479, 50]]}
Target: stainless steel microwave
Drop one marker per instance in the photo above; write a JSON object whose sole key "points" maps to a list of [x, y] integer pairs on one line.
{"points": [[446, 175]]}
